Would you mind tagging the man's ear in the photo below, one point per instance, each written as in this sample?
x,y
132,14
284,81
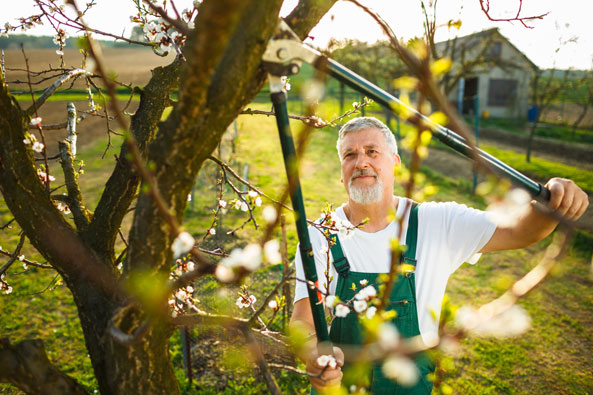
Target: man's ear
x,y
398,160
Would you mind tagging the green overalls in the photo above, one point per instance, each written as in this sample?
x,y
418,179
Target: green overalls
x,y
347,330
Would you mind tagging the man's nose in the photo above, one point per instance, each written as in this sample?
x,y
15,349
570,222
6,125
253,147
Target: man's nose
x,y
362,161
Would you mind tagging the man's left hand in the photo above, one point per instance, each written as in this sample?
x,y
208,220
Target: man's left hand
x,y
566,198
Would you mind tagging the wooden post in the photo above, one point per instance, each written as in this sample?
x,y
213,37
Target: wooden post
x,y
71,128
286,287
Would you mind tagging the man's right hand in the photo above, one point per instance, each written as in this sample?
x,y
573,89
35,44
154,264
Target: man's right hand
x,y
331,377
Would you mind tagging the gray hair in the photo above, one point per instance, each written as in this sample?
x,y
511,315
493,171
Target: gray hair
x,y
362,123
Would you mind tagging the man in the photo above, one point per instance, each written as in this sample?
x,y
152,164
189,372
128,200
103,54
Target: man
x,y
442,236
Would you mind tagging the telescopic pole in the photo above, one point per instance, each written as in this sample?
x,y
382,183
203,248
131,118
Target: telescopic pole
x,y
278,96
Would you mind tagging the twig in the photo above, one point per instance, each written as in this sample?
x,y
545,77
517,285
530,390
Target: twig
x,y
14,255
181,27
35,108
269,297
485,6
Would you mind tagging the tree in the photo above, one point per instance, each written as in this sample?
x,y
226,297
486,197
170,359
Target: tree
x,y
218,74
544,91
583,87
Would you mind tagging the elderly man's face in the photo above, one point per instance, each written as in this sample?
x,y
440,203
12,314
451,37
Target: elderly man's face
x,y
367,166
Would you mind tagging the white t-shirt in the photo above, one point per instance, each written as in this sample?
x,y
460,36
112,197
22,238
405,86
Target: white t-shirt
x,y
449,234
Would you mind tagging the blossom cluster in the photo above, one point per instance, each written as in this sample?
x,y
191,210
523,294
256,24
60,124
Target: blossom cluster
x,y
161,33
60,40
331,224
31,140
43,176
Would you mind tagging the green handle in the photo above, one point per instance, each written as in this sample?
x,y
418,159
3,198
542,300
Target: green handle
x,y
296,196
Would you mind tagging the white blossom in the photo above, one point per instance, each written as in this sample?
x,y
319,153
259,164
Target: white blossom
x,y
273,305
37,146
342,310
513,321
387,336
507,211
224,274
182,244
252,194
402,370
244,302
25,266
330,301
272,251
59,52
189,197
327,360
222,203
258,201
269,213
364,282
36,121
249,257
359,306
366,293
212,231
181,295
237,204
21,258
244,206
371,311
8,290
191,25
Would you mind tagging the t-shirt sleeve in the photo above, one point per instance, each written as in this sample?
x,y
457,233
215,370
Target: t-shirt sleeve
x,y
317,242
465,231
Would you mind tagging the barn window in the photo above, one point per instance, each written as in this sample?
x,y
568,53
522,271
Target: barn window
x,y
502,92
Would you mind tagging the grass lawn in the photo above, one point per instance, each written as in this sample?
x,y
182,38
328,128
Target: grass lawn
x,y
555,356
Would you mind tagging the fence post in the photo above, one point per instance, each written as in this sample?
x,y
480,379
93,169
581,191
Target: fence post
x,y
286,287
186,350
2,66
476,131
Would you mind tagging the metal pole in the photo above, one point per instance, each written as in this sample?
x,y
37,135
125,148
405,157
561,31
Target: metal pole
x,y
296,196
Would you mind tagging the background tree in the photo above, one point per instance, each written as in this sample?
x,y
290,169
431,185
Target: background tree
x,y
544,91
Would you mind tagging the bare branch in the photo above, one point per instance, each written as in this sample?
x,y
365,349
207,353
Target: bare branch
x,y
53,87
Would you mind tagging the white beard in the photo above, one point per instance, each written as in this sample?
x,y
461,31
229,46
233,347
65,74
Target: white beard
x,y
365,194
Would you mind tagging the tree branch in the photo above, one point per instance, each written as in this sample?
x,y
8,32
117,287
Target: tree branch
x,y
79,211
27,366
53,87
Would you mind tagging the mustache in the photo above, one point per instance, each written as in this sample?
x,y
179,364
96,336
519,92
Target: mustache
x,y
362,172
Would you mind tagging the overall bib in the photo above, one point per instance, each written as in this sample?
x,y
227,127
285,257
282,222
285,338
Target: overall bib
x,y
347,330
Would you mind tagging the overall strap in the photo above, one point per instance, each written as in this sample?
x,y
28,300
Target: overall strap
x,y
409,255
340,262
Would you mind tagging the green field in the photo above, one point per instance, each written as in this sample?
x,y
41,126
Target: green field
x,y
555,356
